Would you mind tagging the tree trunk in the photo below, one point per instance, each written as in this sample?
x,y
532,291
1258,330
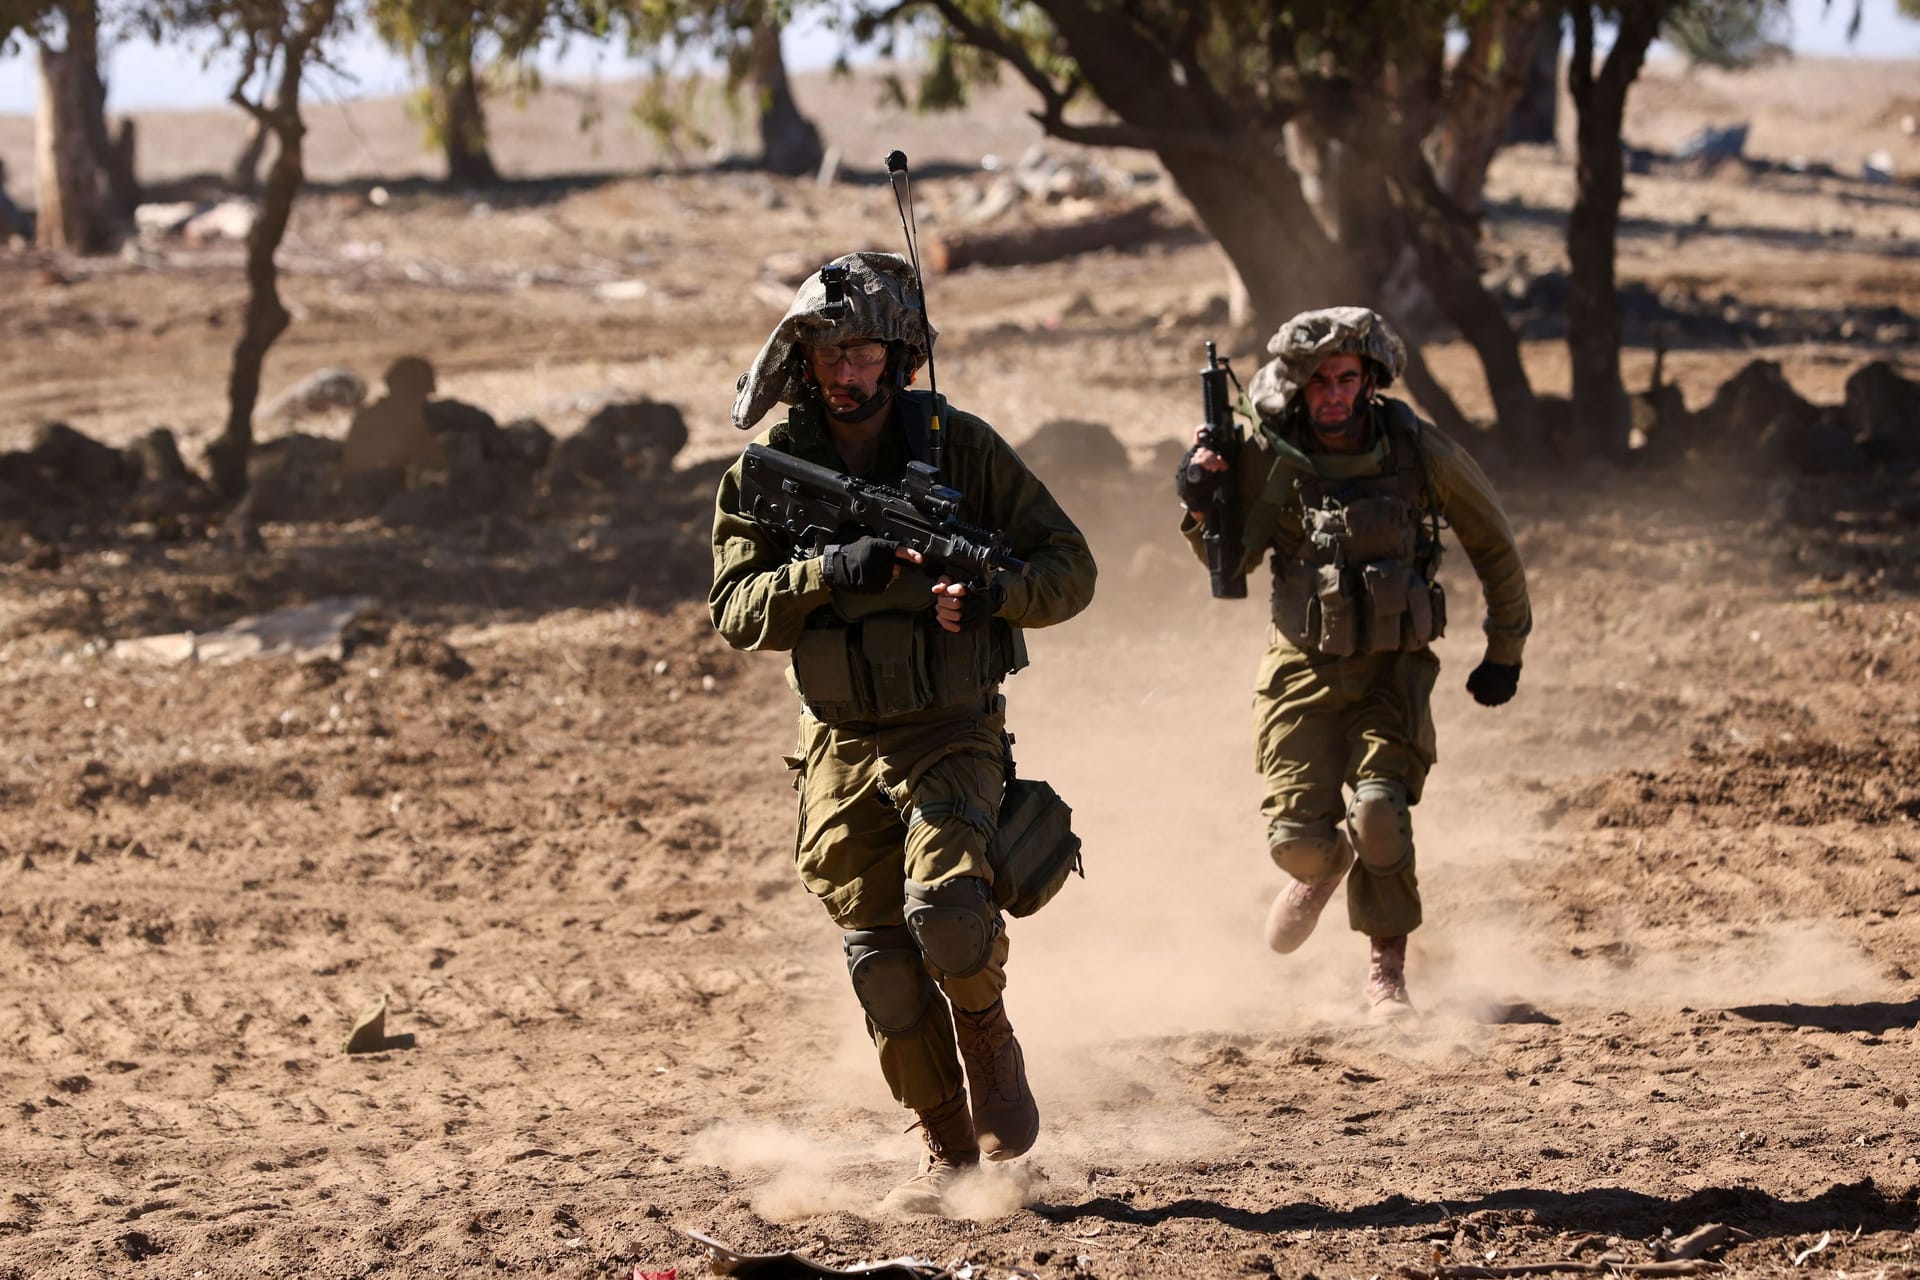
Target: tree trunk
x,y
75,199
245,173
1256,211
459,116
266,316
1489,78
1600,412
1536,116
789,143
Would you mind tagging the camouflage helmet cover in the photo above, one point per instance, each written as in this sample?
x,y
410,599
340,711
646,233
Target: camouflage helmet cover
x,y
1302,343
882,302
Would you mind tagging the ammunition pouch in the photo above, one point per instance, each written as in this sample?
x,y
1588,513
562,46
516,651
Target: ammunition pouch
x,y
896,663
1033,847
1387,606
1363,578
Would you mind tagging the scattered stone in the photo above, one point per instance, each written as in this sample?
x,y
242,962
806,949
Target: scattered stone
x,y
327,391
158,221
526,443
167,486
412,647
1883,412
78,462
1756,402
421,509
1068,452
292,478
306,632
473,447
637,437
622,290
228,220
1715,143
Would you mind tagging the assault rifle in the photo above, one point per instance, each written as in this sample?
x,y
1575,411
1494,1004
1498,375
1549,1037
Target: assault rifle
x,y
814,504
1220,433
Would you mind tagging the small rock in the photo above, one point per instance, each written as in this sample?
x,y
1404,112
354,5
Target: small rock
x,y
327,391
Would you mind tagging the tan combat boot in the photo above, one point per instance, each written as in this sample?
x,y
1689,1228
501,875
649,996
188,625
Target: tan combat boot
x,y
1387,979
1004,1113
1296,908
951,1148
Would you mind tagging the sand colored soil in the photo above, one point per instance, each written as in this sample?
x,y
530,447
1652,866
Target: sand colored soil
x,y
1668,976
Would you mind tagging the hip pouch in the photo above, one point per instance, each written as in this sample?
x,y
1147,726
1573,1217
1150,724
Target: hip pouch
x,y
1033,848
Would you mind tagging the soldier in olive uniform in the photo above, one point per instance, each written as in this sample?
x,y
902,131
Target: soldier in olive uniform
x,y
902,759
1349,490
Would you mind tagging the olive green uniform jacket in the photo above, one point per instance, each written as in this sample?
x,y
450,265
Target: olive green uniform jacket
x,y
917,794
1320,722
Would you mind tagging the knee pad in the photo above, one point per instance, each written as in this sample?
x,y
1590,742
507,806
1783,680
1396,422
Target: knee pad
x,y
1381,826
889,980
1311,855
955,924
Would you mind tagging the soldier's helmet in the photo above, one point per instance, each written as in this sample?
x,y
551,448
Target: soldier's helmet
x,y
1302,343
878,300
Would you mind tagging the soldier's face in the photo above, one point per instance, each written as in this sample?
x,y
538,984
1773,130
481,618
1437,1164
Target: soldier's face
x,y
1334,394
849,375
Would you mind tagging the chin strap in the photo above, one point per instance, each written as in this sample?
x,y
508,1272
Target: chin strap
x,y
863,412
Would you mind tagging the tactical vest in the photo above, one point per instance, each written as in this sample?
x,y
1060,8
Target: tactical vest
x,y
867,658
1362,580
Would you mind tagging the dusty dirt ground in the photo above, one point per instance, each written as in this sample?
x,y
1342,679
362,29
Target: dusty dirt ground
x,y
1669,974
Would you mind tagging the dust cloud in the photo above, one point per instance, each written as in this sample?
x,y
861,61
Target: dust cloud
x,y
808,1173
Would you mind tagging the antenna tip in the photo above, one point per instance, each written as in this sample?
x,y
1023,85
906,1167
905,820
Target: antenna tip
x,y
896,162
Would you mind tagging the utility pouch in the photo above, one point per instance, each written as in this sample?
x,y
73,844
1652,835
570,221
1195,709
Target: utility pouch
x,y
1296,614
1033,847
1339,622
1377,527
1438,597
1384,589
959,664
1419,625
896,661
823,671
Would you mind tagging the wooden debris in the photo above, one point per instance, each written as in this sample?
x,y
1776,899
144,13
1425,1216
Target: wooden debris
x,y
1128,225
1697,1243
1605,1264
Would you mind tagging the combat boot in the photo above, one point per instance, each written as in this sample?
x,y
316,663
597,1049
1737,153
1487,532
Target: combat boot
x,y
951,1149
1296,908
1004,1113
1387,979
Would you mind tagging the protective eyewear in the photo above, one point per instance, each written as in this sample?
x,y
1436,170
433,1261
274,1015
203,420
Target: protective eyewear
x,y
866,355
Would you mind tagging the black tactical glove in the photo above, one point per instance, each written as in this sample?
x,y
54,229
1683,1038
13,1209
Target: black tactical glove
x,y
1195,484
863,566
1493,683
978,606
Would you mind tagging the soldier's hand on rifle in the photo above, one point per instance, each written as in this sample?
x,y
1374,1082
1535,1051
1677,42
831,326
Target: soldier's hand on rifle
x,y
959,607
1200,475
1493,683
865,565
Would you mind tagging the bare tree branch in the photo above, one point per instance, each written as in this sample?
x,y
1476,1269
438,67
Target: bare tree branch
x,y
1001,46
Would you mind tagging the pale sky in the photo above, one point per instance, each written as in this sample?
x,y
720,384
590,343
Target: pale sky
x,y
139,75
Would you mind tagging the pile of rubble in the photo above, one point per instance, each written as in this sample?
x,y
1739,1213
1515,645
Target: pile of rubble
x,y
408,459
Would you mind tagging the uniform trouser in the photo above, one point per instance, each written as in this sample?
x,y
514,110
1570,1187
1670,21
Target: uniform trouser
x,y
1321,722
859,787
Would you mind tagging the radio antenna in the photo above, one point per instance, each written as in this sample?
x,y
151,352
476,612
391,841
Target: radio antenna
x,y
902,181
